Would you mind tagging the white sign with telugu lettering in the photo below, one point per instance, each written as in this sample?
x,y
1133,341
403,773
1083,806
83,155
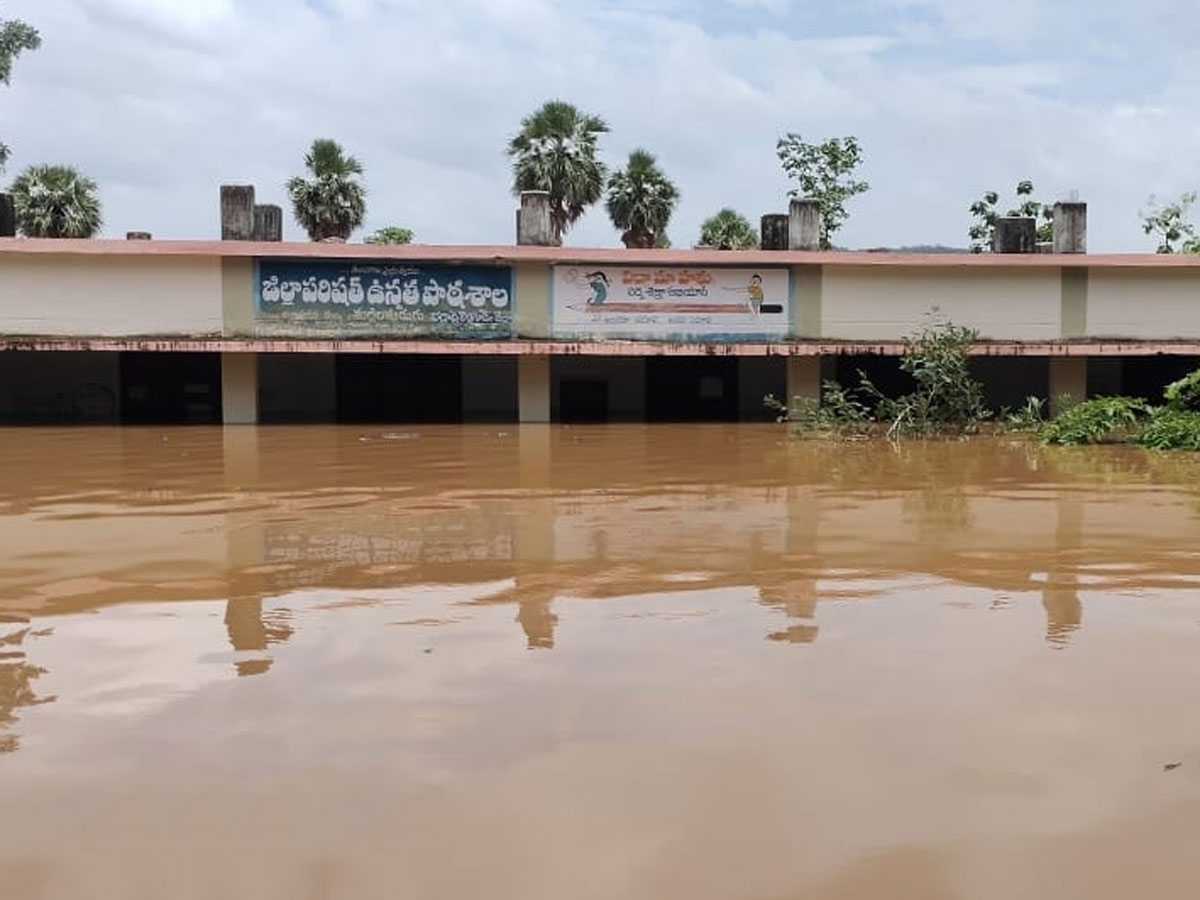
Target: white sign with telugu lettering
x,y
669,303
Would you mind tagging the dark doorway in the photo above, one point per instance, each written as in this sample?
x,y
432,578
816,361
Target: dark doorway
x,y
170,388
583,400
883,371
387,388
1146,376
692,389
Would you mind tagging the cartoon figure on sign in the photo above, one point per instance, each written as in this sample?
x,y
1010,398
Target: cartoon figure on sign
x,y
755,294
598,282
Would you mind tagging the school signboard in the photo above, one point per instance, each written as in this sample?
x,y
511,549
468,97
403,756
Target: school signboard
x,y
382,299
667,303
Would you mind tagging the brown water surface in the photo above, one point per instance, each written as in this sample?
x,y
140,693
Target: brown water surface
x,y
611,662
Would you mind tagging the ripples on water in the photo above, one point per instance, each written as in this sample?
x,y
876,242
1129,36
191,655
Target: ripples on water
x,y
613,661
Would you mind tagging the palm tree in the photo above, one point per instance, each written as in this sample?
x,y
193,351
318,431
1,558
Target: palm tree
x,y
331,204
555,151
56,202
728,230
640,201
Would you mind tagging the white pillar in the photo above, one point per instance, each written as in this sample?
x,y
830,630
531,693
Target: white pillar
x,y
804,224
239,388
533,388
534,226
1070,227
1068,378
803,378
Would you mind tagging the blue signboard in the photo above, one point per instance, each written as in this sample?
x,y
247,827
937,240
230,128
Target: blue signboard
x,y
344,298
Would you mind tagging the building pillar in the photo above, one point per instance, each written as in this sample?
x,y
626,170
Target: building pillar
x,y
534,227
1068,382
1070,227
533,388
239,388
804,224
803,378
774,231
237,212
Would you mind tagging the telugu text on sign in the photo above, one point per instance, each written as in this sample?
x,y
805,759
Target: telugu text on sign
x,y
642,302
383,299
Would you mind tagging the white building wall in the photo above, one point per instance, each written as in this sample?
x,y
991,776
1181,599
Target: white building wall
x,y
1129,303
886,303
109,296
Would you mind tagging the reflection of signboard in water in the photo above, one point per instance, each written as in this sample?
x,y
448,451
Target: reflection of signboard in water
x,y
364,298
669,303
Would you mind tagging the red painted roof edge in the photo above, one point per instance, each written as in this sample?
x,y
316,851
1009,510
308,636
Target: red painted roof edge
x,y
481,253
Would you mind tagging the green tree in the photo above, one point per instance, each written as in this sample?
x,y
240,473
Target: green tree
x,y
56,202
986,213
825,173
1170,222
728,230
555,151
333,202
15,37
392,234
641,200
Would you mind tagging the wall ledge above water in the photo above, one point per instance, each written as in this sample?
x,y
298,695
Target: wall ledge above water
x,y
200,344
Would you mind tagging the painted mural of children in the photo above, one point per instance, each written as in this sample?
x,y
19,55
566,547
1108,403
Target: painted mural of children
x,y
598,282
755,294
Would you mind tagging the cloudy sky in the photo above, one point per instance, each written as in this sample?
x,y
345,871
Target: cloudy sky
x,y
162,100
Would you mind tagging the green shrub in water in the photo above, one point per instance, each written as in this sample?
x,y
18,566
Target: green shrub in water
x,y
1184,393
1101,420
1167,428
1030,417
836,414
947,397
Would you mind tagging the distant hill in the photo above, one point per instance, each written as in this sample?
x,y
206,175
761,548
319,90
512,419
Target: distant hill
x,y
919,248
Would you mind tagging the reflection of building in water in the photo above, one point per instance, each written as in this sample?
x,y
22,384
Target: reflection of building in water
x,y
16,686
537,619
798,600
795,593
252,631
1060,597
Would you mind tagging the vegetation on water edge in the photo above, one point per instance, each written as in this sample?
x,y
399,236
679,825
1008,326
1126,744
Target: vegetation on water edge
x,y
947,399
1173,425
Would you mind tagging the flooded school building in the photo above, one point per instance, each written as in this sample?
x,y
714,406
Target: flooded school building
x,y
250,329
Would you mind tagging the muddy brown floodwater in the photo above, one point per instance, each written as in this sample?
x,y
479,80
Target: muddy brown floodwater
x,y
611,662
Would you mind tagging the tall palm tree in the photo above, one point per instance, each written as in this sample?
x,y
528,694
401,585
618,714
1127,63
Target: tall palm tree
x,y
640,201
728,230
331,204
56,202
555,151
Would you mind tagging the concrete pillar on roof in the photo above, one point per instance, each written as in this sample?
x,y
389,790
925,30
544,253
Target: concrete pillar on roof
x,y
804,225
774,231
268,222
1015,234
8,216
533,220
1070,227
237,212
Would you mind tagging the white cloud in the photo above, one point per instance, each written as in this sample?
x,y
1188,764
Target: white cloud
x,y
162,100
